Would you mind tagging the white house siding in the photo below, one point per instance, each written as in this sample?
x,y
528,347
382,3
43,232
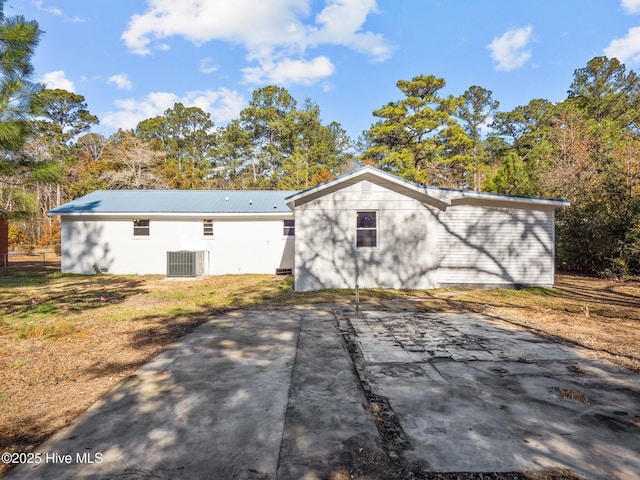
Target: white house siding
x,y
326,255
496,246
246,245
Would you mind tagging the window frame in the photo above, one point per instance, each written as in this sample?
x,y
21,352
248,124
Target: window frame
x,y
141,230
207,228
367,229
289,230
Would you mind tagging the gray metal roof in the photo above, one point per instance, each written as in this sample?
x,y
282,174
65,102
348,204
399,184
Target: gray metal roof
x,y
178,201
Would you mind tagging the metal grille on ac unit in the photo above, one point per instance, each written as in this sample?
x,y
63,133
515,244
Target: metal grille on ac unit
x,y
185,263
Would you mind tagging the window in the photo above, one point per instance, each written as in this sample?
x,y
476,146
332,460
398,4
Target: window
x,y
141,228
366,229
207,228
289,228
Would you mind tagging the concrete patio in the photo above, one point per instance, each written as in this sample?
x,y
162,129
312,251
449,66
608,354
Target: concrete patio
x,y
323,392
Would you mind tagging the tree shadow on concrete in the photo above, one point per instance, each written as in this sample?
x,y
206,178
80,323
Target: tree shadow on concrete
x,y
526,405
210,406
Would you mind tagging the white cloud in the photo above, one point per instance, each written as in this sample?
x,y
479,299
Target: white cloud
x,y
58,79
275,33
52,10
207,66
627,48
510,50
241,21
287,71
121,81
631,6
222,104
340,22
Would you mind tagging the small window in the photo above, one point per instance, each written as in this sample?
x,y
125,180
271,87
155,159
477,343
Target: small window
x,y
289,228
207,228
141,228
366,229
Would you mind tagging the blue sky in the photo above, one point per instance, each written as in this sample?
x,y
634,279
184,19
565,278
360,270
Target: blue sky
x,y
133,59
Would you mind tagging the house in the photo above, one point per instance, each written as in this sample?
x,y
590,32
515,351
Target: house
x,y
131,231
367,228
374,229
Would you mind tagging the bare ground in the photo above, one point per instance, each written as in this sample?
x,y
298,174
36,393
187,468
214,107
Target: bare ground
x,y
67,340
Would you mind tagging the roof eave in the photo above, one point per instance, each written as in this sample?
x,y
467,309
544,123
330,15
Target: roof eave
x,y
530,201
131,214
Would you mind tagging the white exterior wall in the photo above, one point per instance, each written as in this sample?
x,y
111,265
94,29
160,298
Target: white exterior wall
x,y
326,255
238,245
496,246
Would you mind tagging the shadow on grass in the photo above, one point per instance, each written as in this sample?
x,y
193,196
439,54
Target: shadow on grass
x,y
41,294
582,289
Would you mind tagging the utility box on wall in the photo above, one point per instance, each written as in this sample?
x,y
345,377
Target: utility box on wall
x,y
186,263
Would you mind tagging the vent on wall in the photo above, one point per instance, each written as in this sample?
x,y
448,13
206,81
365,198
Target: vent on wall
x,y
366,187
185,263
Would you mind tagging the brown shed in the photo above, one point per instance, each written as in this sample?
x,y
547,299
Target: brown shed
x,y
4,237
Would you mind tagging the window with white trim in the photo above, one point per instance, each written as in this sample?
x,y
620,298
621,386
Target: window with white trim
x,y
140,228
366,229
207,228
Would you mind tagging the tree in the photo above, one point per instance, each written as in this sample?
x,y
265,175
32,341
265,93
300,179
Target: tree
x,y
605,91
188,137
60,116
89,160
319,151
135,162
417,137
18,41
475,111
527,129
511,178
265,120
63,114
601,177
233,155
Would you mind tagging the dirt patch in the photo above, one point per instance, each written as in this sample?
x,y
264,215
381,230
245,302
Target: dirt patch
x,y
26,263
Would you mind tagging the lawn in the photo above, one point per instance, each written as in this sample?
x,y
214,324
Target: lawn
x,y
65,340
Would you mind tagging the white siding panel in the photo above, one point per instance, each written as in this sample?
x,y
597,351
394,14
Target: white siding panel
x,y
326,252
480,245
237,246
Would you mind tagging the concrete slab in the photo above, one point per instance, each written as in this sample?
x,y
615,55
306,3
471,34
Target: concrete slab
x,y
275,393
212,406
329,429
497,398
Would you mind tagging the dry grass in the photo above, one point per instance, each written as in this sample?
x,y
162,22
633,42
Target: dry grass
x,y
66,340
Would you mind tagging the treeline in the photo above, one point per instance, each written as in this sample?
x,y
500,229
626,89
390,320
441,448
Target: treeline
x,y
585,149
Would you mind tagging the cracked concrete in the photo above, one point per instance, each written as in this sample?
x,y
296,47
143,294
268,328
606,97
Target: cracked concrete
x,y
279,393
477,394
